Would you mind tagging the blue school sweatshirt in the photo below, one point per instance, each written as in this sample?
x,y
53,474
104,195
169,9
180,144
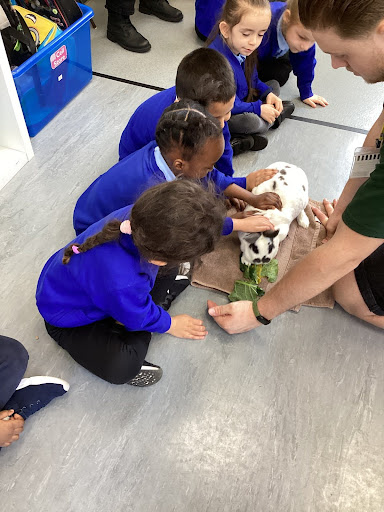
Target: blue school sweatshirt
x,y
207,14
141,129
127,180
303,63
241,83
110,280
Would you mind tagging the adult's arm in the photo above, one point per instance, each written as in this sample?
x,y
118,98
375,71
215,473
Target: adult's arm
x,y
316,272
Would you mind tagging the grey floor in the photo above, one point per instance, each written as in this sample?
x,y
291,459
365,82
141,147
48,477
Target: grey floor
x,y
288,418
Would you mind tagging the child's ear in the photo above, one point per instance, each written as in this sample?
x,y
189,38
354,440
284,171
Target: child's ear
x,y
178,165
287,17
224,29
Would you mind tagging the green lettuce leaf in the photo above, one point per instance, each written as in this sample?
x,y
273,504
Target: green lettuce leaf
x,y
270,270
245,290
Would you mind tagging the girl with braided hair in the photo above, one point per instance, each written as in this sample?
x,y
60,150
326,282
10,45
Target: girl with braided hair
x,y
95,294
189,141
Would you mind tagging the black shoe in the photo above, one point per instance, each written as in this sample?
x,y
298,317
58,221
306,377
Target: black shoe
x,y
288,109
148,375
259,142
121,31
177,287
161,9
241,144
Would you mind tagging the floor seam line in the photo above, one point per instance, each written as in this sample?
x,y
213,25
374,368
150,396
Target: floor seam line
x,y
293,117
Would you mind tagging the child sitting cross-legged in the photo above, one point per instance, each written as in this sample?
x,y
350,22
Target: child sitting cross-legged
x,y
189,141
95,293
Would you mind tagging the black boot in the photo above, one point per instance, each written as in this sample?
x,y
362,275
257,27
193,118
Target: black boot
x,y
241,143
121,31
259,142
161,9
288,108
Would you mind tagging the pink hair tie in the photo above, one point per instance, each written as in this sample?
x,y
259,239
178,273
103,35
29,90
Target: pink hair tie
x,y
75,249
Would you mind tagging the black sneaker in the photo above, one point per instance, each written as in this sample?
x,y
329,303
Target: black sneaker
x,y
121,31
259,142
241,144
288,109
147,376
161,9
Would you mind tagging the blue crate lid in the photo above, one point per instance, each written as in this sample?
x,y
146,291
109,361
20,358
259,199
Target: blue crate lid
x,y
56,43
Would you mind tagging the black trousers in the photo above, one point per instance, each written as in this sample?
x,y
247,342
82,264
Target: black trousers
x,y
275,69
124,7
13,363
106,348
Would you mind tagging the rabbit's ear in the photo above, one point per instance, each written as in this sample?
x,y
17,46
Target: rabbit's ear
x,y
251,237
271,233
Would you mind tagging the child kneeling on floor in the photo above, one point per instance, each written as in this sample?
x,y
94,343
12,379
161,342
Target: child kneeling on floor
x,y
257,107
189,140
94,294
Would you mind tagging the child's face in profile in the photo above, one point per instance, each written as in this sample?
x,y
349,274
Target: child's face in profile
x,y
299,38
204,161
221,111
246,36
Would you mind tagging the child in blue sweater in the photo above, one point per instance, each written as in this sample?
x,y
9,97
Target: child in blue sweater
x,y
189,141
95,294
203,76
257,108
288,45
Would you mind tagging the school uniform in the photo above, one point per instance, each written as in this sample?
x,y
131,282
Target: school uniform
x,y
128,179
141,129
273,54
13,363
81,301
207,13
245,123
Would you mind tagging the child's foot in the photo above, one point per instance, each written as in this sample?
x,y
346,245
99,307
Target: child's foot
x,y
148,375
180,283
34,393
259,142
241,144
288,109
161,9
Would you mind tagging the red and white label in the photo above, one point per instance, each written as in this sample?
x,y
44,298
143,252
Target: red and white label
x,y
58,57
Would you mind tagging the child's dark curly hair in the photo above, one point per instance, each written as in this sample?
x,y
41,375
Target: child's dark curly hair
x,y
187,125
172,222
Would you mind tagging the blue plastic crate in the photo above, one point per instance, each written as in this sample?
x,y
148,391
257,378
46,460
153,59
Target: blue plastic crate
x,y
48,80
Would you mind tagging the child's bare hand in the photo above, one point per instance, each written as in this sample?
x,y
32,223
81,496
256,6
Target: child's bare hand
x,y
11,429
185,326
253,223
255,178
275,101
269,113
316,100
233,202
266,201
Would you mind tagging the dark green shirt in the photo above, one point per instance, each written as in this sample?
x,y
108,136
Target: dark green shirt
x,y
365,213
